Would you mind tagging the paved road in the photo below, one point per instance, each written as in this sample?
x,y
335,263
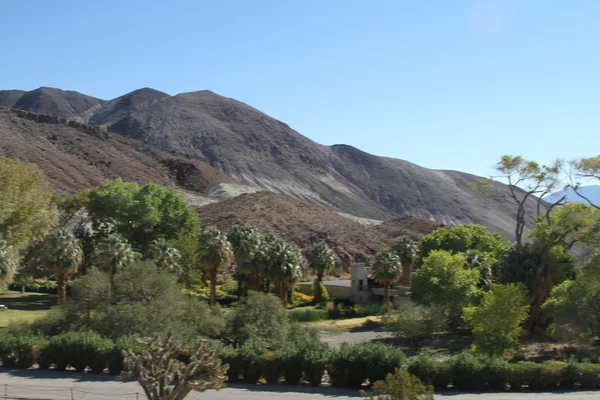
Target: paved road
x,y
48,385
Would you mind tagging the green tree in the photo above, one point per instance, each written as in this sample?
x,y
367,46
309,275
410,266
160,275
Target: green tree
x,y
464,238
259,317
63,256
27,210
114,253
480,263
214,254
555,235
586,168
496,322
407,250
250,249
284,268
443,280
320,260
8,262
386,270
415,322
165,256
527,181
574,305
141,214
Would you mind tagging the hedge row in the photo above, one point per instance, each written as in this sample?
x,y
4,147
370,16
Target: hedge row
x,y
75,349
467,372
349,366
307,359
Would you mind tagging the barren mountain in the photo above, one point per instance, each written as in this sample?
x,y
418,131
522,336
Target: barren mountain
x,y
258,150
75,156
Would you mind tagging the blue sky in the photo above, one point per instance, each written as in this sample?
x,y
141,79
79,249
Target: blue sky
x,y
444,84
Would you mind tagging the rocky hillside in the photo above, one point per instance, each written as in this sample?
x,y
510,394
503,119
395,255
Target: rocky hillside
x,y
304,224
75,156
260,151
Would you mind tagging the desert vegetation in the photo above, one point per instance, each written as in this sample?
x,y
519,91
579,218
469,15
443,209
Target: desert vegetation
x,y
130,262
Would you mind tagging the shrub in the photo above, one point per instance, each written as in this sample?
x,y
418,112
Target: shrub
x,y
400,385
466,370
536,376
304,357
443,280
250,355
319,289
230,356
307,315
78,349
343,310
271,367
430,371
495,374
260,317
300,298
115,363
21,350
352,365
590,376
496,323
416,323
35,285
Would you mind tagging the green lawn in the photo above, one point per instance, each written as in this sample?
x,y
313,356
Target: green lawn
x,y
24,307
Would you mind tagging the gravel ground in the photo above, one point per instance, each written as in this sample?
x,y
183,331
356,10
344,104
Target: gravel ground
x,y
47,385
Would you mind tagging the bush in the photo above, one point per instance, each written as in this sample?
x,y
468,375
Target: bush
x,y
416,323
230,356
307,315
271,367
21,350
467,371
444,281
35,285
537,377
300,298
319,288
250,355
496,323
590,376
260,317
352,365
343,310
430,371
305,357
115,358
401,385
78,349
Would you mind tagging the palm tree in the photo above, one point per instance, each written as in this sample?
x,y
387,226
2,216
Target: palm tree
x,y
406,249
112,254
214,254
480,263
320,260
285,268
64,256
8,261
165,256
386,269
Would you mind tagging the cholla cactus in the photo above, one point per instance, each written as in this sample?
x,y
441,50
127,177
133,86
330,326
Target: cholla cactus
x,y
164,377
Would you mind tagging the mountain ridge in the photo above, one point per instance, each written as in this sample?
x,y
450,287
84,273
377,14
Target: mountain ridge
x,y
263,152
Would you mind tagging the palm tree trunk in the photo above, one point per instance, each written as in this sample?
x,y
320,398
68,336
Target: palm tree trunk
x,y
318,293
406,273
267,286
284,294
61,288
386,295
213,287
254,281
